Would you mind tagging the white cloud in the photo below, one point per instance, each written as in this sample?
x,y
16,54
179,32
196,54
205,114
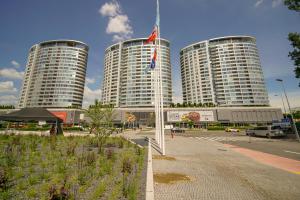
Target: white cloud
x,y
293,97
8,100
7,87
258,3
118,22
90,80
110,9
15,64
11,73
90,96
276,3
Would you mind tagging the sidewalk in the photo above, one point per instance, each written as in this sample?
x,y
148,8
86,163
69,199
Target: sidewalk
x,y
218,172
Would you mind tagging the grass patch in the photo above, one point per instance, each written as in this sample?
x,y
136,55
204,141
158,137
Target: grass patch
x,y
170,178
159,157
33,167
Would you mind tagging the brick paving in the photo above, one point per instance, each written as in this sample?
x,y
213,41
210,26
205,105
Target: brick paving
x,y
218,172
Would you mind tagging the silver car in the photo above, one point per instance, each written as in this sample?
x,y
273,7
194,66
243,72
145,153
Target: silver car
x,y
266,131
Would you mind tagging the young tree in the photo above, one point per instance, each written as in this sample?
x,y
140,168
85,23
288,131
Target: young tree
x,y
101,122
294,38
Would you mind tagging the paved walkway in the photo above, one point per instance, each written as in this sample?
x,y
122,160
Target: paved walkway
x,y
219,172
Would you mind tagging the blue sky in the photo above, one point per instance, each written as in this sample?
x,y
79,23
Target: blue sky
x,y
25,23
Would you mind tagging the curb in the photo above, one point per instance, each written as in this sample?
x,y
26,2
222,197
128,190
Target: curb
x,y
149,183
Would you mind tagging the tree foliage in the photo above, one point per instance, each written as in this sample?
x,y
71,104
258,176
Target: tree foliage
x,y
294,38
101,124
295,54
293,4
7,107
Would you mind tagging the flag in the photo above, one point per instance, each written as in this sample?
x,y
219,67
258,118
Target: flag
x,y
152,64
153,36
153,60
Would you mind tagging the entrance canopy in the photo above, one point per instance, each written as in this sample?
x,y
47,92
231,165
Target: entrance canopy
x,y
29,115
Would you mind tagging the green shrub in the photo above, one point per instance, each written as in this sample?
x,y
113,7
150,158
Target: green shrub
x,y
4,195
3,178
33,144
31,193
91,158
109,154
127,165
16,140
52,141
61,166
105,167
100,189
55,194
72,129
71,148
82,177
9,157
92,142
32,180
121,143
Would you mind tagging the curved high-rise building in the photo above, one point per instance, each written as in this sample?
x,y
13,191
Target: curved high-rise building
x,y
55,75
125,83
224,71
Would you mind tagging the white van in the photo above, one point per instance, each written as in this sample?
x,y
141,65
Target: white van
x,y
267,131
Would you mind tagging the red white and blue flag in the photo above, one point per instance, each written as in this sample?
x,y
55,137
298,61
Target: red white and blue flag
x,y
153,36
153,60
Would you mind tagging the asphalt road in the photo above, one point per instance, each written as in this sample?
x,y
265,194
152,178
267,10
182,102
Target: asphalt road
x,y
279,147
287,147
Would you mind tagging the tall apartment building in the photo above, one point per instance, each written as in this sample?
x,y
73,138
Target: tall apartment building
x,y
55,75
125,82
225,71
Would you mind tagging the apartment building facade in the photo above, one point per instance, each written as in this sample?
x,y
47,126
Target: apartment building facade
x,y
224,71
126,81
55,75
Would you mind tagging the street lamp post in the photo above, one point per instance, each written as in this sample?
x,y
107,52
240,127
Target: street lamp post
x,y
276,95
288,103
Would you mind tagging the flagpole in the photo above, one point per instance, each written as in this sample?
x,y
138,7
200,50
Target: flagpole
x,y
161,102
156,102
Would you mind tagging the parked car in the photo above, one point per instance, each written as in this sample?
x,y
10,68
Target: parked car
x,y
177,130
232,130
266,131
